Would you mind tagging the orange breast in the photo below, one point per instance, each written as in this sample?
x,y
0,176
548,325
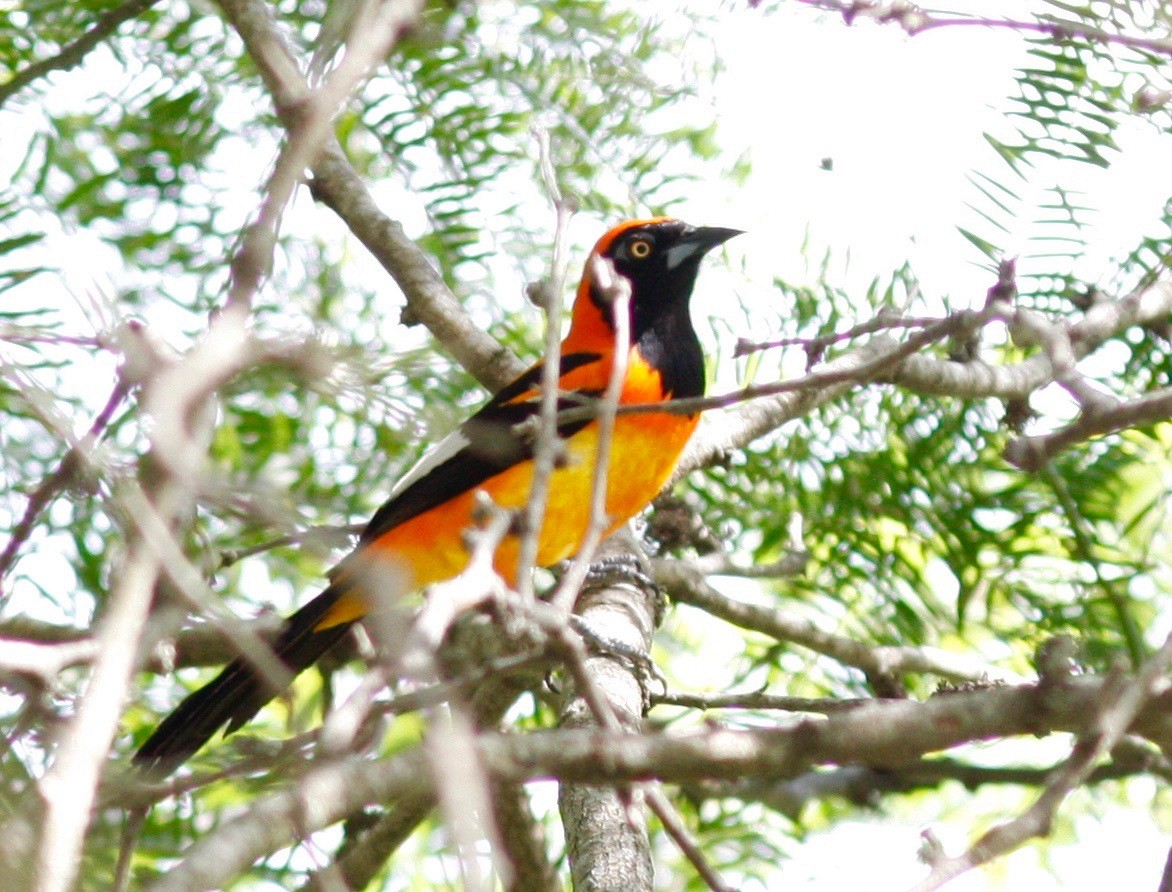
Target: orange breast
x,y
643,454
430,548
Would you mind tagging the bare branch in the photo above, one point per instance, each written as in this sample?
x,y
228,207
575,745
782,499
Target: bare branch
x,y
336,183
755,700
617,291
377,27
59,479
658,802
719,563
524,841
548,449
723,432
1032,453
176,398
914,20
73,52
688,586
814,347
863,785
866,367
1114,710
198,646
884,733
972,380
43,662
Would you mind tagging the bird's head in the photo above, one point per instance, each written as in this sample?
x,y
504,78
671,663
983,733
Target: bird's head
x,y
659,258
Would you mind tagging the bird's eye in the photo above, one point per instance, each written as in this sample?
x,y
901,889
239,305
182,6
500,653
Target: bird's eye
x,y
640,248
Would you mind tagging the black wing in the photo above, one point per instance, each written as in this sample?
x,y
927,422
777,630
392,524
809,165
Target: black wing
x,y
483,446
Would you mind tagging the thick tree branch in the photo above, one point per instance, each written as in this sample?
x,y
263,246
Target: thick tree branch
x,y
864,785
886,733
337,184
606,833
1032,453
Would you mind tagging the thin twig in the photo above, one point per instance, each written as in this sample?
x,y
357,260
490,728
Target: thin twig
x,y
915,20
74,51
29,334
408,646
688,586
617,290
860,373
60,478
548,448
669,816
756,700
719,563
815,346
326,532
153,529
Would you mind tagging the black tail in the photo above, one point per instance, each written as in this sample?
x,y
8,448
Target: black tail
x,y
238,693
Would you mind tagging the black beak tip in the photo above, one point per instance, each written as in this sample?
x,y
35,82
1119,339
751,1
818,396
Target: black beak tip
x,y
696,241
711,236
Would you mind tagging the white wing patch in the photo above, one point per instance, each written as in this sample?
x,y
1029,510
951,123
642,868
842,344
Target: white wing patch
x,y
445,449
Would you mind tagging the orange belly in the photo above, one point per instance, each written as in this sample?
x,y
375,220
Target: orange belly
x,y
430,547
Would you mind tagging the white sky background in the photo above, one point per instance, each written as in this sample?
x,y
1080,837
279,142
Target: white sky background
x,y
901,118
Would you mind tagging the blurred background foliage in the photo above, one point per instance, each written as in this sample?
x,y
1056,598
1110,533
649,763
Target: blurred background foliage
x,y
139,166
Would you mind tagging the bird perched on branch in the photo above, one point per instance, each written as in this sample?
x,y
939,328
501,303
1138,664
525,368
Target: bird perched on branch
x,y
416,538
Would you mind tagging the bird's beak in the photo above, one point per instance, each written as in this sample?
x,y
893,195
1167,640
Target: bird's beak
x,y
696,241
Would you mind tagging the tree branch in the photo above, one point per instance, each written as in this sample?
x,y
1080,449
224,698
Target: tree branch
x,y
722,432
338,185
914,20
864,785
687,585
73,52
885,733
1032,453
58,480
1111,714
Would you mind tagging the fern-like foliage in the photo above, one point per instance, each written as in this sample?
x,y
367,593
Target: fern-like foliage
x,y
1074,97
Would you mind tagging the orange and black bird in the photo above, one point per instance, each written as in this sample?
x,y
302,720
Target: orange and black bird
x,y
417,535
